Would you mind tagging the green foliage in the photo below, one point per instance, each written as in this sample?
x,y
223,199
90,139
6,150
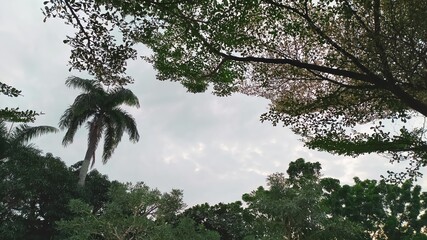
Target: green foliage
x,y
386,211
14,114
39,199
9,90
34,193
14,139
327,66
134,212
231,220
306,206
293,208
101,109
290,208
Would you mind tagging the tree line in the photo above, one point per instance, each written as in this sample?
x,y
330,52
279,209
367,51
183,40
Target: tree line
x,y
41,199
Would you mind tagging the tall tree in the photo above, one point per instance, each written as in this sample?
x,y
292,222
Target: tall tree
x,y
105,117
327,66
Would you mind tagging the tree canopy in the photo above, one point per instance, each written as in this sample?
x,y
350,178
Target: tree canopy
x,y
305,205
327,66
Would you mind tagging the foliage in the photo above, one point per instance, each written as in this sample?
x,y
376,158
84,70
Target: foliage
x,y
39,199
293,208
305,205
30,203
327,66
231,220
386,211
134,212
14,114
12,140
102,108
34,193
290,208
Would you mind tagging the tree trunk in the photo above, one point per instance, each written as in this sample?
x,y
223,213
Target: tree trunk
x,y
94,136
85,166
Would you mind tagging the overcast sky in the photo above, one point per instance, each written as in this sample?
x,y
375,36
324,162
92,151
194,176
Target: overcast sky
x,y
213,148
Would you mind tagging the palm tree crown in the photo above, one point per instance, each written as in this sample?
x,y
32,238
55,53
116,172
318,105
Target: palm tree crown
x,y
14,139
101,110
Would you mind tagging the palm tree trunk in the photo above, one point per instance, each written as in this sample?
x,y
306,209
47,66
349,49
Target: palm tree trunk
x,y
94,136
85,166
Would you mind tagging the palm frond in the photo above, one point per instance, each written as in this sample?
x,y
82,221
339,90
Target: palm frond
x,y
23,133
26,150
88,101
84,84
111,140
66,118
131,128
120,95
69,134
72,123
127,123
3,128
84,105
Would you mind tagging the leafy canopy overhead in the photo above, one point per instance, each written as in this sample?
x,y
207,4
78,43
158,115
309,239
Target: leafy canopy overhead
x,y
327,66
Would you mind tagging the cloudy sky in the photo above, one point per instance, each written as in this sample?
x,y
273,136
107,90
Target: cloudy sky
x,y
213,148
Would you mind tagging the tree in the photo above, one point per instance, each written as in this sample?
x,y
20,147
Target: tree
x,y
305,205
106,117
386,211
327,66
134,212
293,208
232,221
34,193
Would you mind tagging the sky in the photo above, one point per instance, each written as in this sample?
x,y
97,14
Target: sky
x,y
213,148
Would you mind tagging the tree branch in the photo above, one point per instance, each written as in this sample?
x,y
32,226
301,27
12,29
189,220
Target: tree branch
x,y
299,64
329,40
82,29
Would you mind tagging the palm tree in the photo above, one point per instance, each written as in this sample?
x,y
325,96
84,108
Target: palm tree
x,y
101,109
14,139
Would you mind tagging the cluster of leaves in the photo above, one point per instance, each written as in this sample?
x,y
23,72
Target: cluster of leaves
x,y
14,114
94,48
